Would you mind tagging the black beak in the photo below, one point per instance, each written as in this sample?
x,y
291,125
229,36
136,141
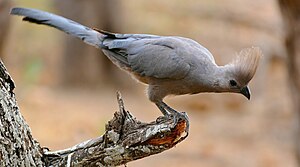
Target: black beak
x,y
246,92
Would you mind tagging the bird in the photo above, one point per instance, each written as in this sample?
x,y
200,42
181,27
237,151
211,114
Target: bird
x,y
169,65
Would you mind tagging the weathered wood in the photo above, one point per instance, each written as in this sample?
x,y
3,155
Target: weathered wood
x,y
17,146
126,139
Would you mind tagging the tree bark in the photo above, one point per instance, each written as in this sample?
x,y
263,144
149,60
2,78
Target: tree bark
x,y
290,10
125,138
18,148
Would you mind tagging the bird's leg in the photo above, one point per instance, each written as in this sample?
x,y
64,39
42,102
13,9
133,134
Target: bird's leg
x,y
166,107
162,109
168,111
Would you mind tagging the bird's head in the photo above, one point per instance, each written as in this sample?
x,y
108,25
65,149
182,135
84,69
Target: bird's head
x,y
240,71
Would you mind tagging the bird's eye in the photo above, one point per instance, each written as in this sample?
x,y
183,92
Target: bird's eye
x,y
233,83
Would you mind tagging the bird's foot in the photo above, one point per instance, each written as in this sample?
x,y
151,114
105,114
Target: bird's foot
x,y
177,116
181,116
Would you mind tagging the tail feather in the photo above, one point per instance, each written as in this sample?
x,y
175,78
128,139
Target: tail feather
x,y
73,28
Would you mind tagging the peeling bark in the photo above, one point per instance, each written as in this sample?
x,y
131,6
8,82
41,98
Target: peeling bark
x,y
125,139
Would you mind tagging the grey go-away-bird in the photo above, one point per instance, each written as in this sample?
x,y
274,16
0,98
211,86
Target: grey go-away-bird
x,y
170,65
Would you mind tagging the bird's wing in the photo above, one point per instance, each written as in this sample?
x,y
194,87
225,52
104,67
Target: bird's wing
x,y
86,34
148,55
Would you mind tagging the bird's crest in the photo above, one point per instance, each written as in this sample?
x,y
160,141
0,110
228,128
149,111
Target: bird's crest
x,y
245,64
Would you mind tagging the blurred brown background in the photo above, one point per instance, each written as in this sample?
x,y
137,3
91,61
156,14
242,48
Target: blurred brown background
x,y
66,89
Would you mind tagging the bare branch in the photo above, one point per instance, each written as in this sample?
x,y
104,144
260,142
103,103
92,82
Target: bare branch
x,y
125,139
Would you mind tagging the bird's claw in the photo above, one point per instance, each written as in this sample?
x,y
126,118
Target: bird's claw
x,y
170,112
177,116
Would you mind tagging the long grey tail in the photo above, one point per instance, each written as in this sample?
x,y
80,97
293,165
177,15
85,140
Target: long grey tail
x,y
86,34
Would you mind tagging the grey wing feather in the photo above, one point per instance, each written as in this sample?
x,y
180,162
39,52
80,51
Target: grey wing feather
x,y
86,34
149,56
159,61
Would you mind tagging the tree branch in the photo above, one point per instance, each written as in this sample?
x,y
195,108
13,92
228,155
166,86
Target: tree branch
x,y
125,139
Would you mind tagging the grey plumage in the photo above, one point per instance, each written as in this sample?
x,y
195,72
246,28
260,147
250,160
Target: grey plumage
x,y
170,65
